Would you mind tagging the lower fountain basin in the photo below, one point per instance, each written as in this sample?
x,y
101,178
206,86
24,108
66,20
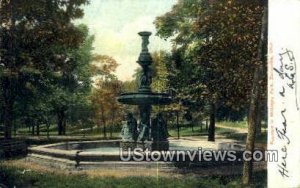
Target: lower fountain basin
x,y
107,154
150,98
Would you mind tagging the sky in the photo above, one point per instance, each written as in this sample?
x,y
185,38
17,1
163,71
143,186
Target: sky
x,y
115,24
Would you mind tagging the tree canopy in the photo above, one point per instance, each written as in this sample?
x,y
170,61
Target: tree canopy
x,y
37,44
215,46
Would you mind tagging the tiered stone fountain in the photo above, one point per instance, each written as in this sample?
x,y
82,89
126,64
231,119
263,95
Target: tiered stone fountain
x,y
148,134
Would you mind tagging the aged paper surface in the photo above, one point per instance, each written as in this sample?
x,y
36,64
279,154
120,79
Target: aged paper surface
x,y
284,90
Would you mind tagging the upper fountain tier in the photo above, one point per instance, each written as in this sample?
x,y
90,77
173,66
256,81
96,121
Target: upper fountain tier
x,y
145,96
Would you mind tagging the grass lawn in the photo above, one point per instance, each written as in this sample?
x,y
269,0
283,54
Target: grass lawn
x,y
14,174
11,176
235,124
71,130
187,131
228,129
238,124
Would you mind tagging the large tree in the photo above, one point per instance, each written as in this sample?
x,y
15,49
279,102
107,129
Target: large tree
x,y
105,92
73,84
215,50
257,93
35,37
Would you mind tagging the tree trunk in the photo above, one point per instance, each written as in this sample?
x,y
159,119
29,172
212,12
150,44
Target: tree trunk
x,y
32,129
60,122
258,119
15,127
48,126
64,125
7,84
8,100
59,125
255,96
212,122
8,110
110,131
201,125
177,122
38,129
113,123
104,124
104,131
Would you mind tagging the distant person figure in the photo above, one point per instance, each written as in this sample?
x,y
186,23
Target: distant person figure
x,y
188,118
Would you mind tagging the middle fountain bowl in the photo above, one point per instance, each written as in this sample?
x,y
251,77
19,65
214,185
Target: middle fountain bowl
x,y
138,98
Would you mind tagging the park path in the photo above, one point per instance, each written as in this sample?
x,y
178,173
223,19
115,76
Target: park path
x,y
236,129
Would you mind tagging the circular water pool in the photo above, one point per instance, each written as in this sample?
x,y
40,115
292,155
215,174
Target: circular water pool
x,y
107,154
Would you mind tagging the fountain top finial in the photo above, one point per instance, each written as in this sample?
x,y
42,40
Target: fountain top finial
x,y
144,33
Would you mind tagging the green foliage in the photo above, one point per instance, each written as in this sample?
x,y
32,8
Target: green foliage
x,y
42,53
35,39
215,50
227,113
70,91
160,72
107,110
129,86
